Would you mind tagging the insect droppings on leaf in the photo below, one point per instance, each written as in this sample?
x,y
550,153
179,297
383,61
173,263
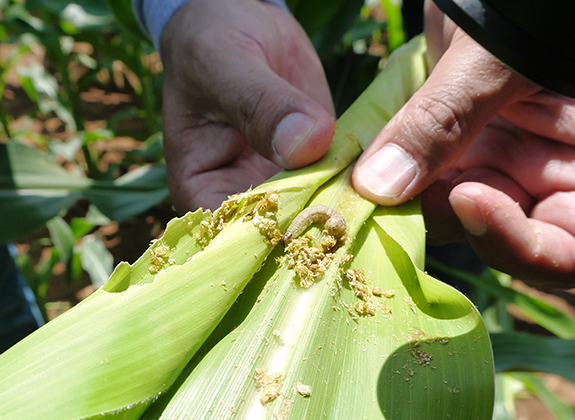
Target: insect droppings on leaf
x,y
234,206
269,383
364,308
303,390
309,262
356,280
278,335
158,256
420,356
388,294
263,216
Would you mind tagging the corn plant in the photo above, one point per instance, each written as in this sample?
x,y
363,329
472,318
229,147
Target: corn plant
x,y
348,329
58,24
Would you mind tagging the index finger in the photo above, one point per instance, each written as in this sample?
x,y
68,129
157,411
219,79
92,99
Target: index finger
x,y
538,250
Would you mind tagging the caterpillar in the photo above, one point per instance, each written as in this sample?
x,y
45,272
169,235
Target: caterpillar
x,y
333,222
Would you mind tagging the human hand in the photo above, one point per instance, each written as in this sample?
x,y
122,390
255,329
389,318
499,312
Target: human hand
x,y
242,83
493,154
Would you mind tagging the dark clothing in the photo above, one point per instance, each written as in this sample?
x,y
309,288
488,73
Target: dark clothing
x,y
19,315
533,37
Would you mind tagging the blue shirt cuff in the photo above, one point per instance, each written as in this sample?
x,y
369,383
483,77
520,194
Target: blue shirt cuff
x,y
154,14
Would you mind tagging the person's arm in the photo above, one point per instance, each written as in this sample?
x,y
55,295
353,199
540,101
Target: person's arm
x,y
493,154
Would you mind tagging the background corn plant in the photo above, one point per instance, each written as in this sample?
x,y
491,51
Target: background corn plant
x,y
90,44
81,93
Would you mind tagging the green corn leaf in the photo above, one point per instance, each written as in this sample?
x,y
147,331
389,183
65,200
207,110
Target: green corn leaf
x,y
42,88
34,189
308,336
96,259
85,16
513,385
314,15
394,18
62,237
525,352
124,15
130,194
23,212
331,32
31,190
537,310
506,389
81,227
182,289
92,7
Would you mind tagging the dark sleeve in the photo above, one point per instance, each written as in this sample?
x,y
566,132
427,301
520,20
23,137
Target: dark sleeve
x,y
535,38
412,11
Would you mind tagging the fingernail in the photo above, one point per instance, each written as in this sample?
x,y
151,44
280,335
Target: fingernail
x,y
388,172
469,213
290,133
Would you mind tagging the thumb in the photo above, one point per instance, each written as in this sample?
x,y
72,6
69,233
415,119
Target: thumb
x,y
279,121
466,89
276,118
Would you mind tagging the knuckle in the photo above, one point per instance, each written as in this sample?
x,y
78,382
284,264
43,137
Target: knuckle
x,y
441,116
257,111
438,122
250,105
